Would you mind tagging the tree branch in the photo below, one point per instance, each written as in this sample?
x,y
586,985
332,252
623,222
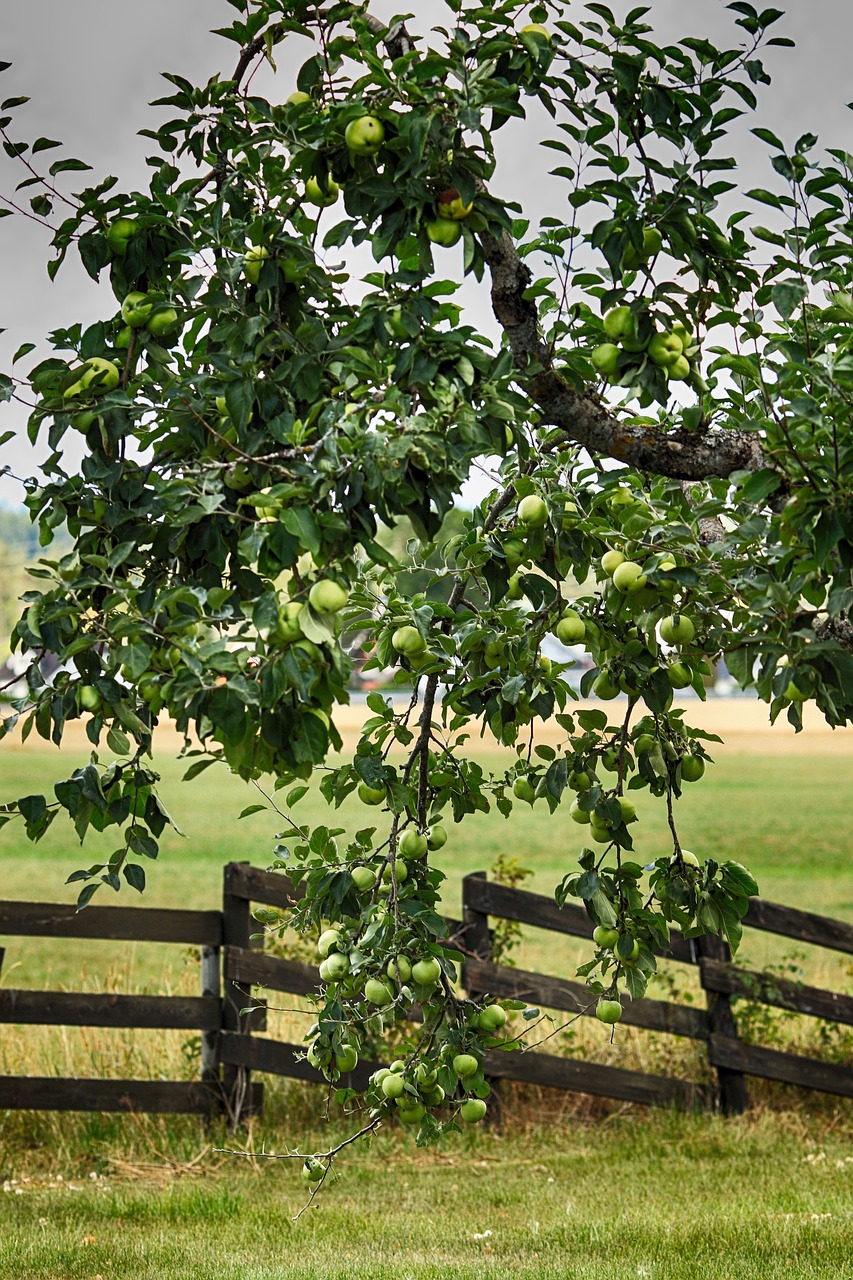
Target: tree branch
x,y
396,39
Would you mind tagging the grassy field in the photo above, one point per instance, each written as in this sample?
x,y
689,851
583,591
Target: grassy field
x,y
567,1187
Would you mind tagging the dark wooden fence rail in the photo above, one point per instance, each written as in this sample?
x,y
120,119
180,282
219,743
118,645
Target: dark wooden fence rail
x,y
230,1017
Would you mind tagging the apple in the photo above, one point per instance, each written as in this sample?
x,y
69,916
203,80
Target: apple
x,y
449,205
314,1170
136,309
680,675
364,878
365,135
413,844
533,511
412,1114
163,321
436,836
472,1110
523,789
604,688
629,809
346,1059
681,331
149,690
689,859
604,937
632,954
492,1018
664,349
628,577
605,357
692,768
679,370
288,627
619,323
609,1011
677,629
401,872
393,1086
579,780
119,235
399,970
337,966
324,195
611,561
515,551
408,641
426,972
327,942
253,260
536,30
545,664
327,596
298,98
88,697
795,692
645,742
465,1064
82,421
377,992
96,375
371,795
652,245
571,628
444,232
577,814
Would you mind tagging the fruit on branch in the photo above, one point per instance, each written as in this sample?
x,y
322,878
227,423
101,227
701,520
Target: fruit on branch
x,y
328,942
465,1064
633,952
689,859
371,795
523,789
411,1114
88,697
96,375
450,205
426,972
314,1170
608,1011
472,1110
393,1086
444,232
399,969
378,993
533,511
664,349
408,641
365,135
334,967
346,1059
298,98
515,551
604,937
677,629
254,258
579,815
605,357
364,878
400,872
120,233
679,370
413,844
436,837
163,322
538,32
692,768
571,628
652,245
611,560
604,688
327,596
136,309
628,577
620,323
680,675
492,1018
322,195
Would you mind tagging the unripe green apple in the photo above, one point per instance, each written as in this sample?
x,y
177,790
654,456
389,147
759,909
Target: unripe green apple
x,y
538,32
412,1114
632,954
689,859
608,1011
365,135
298,98
680,675
677,629
399,969
378,993
393,1086
604,937
492,1018
136,309
619,323
604,688
413,844
400,871
571,628
444,232
408,641
253,260
102,373
577,814
327,596
288,628
314,1170
795,692
426,972
679,370
436,837
123,338
82,421
337,966
364,878
163,322
514,590
628,577
324,195
120,233
88,697
664,349
449,205
346,1059
465,1064
328,942
533,511
579,780
371,795
522,789
692,768
611,560
472,1110
605,357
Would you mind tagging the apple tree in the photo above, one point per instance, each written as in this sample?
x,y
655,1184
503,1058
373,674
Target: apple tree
x,y
286,370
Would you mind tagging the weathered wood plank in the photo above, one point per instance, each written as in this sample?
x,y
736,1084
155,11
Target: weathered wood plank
x,y
275,1057
269,887
589,1077
768,989
248,968
789,1068
172,1097
574,997
790,922
67,1009
543,913
136,924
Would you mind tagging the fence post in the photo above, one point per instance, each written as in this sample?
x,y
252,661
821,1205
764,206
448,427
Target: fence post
x,y
236,932
211,989
733,1093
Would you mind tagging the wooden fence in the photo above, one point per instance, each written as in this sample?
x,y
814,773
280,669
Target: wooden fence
x,y
231,1019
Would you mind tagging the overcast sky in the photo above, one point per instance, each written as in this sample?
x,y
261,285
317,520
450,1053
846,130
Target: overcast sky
x,y
91,66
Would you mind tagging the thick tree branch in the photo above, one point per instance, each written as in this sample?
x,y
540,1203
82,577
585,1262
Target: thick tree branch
x,y
681,455
396,39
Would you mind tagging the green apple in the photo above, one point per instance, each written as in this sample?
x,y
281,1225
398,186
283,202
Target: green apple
x,y
645,742
88,697
399,970
465,1064
579,780
444,232
346,1059
611,560
677,629
328,942
393,1086
577,814
413,1114
314,1170
681,331
371,795
692,768
82,421
523,789
571,628
337,966
689,859
492,1018
450,205
136,310
253,260
628,577
436,836
378,993
514,589
96,375
472,1110
364,878
426,972
545,664
680,675
365,135
123,338
288,627
605,357
604,688
298,98
619,323
324,195
652,245
795,692
664,349
538,32
629,810
119,235
408,641
400,871
604,937
163,322
413,844
533,511
515,551
327,596
632,954
679,370
609,1011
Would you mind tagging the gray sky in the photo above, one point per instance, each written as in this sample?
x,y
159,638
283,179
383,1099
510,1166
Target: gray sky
x,y
91,66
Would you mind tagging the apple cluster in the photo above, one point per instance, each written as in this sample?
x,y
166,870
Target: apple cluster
x,y
633,339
